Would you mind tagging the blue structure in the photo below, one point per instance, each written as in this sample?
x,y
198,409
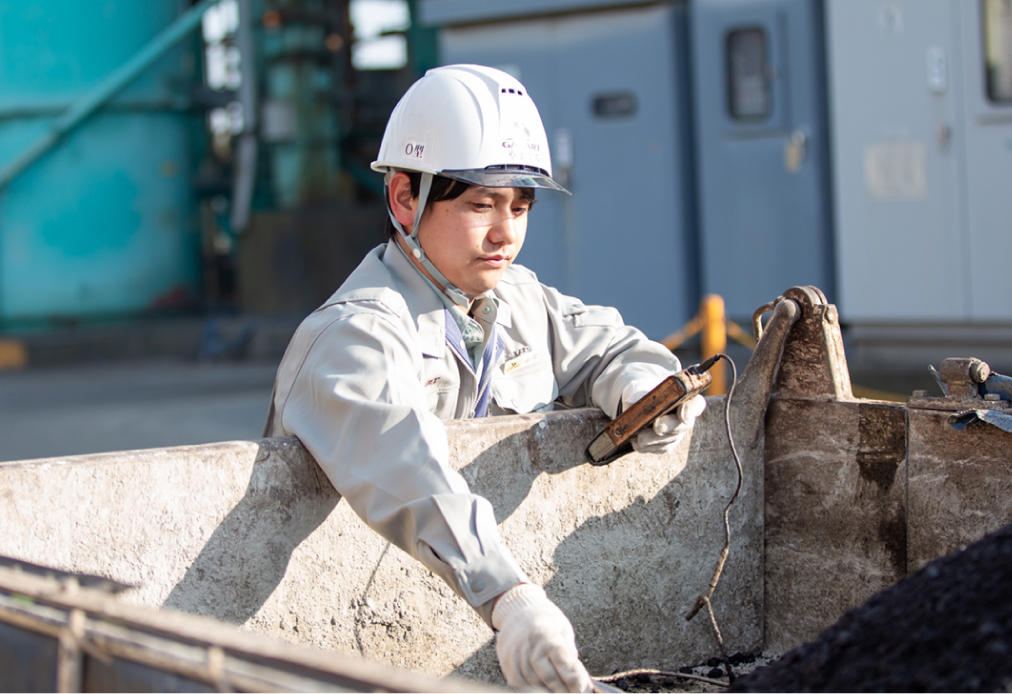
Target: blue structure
x,y
860,146
694,138
103,223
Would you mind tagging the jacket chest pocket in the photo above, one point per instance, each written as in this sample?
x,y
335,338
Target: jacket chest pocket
x,y
523,384
441,383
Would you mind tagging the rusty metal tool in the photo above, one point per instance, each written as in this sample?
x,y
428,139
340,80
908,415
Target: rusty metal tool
x,y
615,440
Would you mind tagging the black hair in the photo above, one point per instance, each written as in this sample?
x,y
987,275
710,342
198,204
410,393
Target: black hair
x,y
444,188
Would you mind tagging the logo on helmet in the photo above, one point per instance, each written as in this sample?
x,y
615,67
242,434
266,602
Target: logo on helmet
x,y
414,150
514,145
521,150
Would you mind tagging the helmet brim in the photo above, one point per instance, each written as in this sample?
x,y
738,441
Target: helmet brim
x,y
499,178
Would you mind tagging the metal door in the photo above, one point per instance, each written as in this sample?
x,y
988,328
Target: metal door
x,y
897,135
764,216
986,37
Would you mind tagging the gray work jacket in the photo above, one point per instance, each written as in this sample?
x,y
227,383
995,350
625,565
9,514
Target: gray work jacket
x,y
369,377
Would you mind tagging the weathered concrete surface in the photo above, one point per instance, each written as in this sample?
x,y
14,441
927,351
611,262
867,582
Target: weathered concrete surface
x,y
960,484
835,512
253,533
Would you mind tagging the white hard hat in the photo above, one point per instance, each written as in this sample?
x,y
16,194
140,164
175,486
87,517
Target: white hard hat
x,y
471,123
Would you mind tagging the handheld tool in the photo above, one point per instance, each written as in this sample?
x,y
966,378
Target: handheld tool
x,y
616,439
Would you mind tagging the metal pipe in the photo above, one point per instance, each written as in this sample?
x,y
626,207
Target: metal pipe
x,y
41,110
87,104
246,156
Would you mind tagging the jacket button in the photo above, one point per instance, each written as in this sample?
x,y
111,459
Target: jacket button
x,y
477,585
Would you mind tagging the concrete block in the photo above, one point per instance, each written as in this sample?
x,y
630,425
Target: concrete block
x,y
251,532
960,484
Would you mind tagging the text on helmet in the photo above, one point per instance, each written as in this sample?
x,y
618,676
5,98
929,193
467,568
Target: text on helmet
x,y
513,144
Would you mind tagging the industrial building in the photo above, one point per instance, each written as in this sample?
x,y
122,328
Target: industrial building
x,y
199,158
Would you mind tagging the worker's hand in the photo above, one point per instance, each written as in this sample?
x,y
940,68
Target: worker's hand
x,y
535,644
668,430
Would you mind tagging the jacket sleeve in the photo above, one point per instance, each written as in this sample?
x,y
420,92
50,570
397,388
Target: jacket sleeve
x,y
595,354
350,390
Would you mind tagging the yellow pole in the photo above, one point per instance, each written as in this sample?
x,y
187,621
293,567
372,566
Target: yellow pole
x,y
13,354
713,340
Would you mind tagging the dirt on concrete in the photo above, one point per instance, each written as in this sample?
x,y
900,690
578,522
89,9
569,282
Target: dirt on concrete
x,y
947,627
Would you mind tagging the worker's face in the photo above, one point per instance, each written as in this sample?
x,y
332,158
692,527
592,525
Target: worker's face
x,y
472,239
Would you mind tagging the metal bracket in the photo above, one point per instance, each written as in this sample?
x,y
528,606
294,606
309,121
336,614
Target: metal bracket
x,y
814,364
968,385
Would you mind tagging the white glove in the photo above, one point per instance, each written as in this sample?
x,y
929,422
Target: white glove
x,y
536,645
668,430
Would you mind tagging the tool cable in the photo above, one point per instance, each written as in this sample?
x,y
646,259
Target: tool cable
x,y
704,600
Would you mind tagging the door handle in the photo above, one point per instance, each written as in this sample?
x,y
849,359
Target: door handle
x,y
794,150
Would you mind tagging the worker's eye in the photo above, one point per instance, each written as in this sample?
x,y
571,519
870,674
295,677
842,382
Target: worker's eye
x,y
521,210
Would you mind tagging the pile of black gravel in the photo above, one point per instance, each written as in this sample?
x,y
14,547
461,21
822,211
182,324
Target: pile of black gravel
x,y
947,627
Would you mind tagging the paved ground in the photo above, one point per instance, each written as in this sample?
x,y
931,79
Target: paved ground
x,y
92,408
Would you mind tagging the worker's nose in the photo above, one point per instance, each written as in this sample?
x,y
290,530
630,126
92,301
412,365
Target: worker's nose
x,y
504,231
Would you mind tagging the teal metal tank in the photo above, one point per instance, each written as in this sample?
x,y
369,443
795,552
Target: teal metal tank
x,y
104,223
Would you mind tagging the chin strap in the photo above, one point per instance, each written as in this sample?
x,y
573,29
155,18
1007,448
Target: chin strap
x,y
456,295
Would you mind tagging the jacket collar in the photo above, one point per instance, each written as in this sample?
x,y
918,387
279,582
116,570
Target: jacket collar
x,y
420,296
424,302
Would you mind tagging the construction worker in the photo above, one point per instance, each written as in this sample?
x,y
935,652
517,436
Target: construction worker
x,y
438,324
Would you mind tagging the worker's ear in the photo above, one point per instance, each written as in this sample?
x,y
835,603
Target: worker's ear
x,y
401,201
